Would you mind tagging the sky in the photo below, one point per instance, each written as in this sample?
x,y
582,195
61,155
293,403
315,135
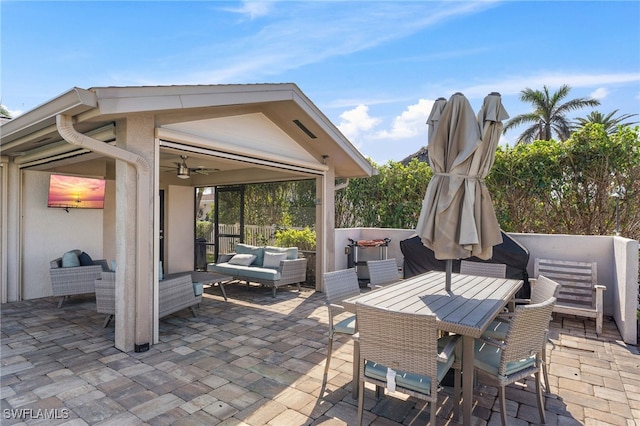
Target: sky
x,y
373,68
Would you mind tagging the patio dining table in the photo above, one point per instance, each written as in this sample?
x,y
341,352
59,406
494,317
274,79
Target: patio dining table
x,y
466,310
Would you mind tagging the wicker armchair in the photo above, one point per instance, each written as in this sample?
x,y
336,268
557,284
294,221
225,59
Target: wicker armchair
x,y
542,289
382,272
407,345
175,294
519,355
69,281
339,285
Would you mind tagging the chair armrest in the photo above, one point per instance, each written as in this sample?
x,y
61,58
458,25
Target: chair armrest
x,y
449,349
293,271
223,258
493,342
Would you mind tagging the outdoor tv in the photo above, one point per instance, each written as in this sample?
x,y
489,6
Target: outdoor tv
x,y
75,192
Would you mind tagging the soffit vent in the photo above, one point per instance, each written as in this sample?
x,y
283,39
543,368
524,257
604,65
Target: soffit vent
x,y
304,129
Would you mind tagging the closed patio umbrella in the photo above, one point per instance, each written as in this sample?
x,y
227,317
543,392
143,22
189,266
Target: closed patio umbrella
x,y
457,219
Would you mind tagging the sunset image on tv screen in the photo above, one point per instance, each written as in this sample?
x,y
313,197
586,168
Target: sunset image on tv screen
x,y
76,192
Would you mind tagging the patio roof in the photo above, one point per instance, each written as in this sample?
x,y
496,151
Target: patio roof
x,y
266,121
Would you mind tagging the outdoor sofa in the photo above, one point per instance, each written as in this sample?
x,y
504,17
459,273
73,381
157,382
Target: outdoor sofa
x,y
75,273
175,294
270,266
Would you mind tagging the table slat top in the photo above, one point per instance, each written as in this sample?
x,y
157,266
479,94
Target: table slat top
x,y
467,309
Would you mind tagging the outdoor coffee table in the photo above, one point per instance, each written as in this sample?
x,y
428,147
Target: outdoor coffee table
x,y
207,279
210,279
467,309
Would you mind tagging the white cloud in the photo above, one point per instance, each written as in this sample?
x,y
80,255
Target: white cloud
x,y
599,93
357,121
252,9
410,123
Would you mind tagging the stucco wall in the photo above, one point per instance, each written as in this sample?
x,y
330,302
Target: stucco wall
x,y
179,228
50,232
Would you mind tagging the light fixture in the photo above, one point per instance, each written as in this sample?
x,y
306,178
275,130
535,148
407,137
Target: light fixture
x,y
183,169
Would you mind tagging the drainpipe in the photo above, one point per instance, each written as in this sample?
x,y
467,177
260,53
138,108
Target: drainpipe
x,y
64,123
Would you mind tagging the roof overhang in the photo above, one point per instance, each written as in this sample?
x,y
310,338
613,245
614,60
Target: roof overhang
x,y
174,107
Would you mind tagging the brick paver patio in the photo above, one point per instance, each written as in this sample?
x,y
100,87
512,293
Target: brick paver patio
x,y
256,360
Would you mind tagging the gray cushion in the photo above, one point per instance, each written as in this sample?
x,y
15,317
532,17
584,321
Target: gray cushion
x,y
272,260
292,252
70,259
258,252
242,259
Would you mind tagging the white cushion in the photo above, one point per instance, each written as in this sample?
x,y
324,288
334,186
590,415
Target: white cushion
x,y
272,260
242,259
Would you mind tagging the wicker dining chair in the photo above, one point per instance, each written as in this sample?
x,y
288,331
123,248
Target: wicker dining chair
x,y
542,289
407,344
339,285
483,269
382,272
518,356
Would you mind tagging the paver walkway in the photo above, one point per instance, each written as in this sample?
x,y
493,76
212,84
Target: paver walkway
x,y
256,360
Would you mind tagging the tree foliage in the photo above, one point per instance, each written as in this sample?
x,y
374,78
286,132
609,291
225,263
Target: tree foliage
x,y
543,187
566,187
390,199
608,121
549,116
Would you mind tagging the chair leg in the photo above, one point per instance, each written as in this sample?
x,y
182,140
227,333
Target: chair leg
x,y
432,408
273,291
503,405
61,300
193,312
361,401
540,399
547,388
326,366
107,320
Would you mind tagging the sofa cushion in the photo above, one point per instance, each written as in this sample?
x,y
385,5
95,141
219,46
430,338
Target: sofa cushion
x,y
247,271
85,259
70,259
242,259
198,289
258,252
272,260
292,252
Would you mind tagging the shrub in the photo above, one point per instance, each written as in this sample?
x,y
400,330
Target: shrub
x,y
304,239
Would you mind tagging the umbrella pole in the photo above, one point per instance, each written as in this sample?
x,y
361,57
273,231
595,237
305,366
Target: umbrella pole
x,y
448,268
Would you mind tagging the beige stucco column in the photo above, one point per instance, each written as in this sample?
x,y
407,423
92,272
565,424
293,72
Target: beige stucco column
x,y
325,224
11,249
134,325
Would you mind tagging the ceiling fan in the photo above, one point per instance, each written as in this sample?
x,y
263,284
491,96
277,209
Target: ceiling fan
x,y
184,171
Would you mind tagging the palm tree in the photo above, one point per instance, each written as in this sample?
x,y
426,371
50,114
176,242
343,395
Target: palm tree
x,y
4,112
609,123
549,115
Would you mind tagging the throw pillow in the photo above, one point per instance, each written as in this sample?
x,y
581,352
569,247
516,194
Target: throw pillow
x,y
242,259
85,259
272,260
70,259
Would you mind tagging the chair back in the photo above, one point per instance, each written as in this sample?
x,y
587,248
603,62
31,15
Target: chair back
x,y
399,340
340,285
577,280
483,269
527,333
382,272
544,289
